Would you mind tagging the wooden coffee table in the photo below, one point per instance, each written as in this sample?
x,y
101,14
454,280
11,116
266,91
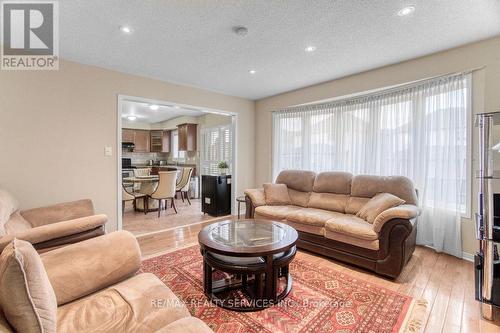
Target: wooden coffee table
x,y
244,262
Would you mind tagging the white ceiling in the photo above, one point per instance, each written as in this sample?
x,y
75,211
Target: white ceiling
x,y
191,41
145,114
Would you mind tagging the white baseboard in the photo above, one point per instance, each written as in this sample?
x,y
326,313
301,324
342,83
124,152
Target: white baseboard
x,y
467,256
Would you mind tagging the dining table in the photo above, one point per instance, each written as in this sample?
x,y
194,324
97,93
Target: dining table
x,y
147,186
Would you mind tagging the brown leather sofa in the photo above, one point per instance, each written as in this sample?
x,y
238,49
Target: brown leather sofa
x,y
90,286
323,210
49,227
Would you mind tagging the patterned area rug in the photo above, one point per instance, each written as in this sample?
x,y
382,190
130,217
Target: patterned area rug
x,y
321,300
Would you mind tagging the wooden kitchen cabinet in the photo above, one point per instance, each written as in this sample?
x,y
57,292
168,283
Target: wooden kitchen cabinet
x,y
156,141
142,140
166,138
128,135
187,137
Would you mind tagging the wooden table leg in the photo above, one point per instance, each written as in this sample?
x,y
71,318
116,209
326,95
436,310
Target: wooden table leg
x,y
207,278
270,284
239,210
259,287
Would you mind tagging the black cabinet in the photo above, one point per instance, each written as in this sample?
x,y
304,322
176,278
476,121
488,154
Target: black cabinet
x,y
216,195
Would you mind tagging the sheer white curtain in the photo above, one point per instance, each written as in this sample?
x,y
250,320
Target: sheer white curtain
x,y
420,131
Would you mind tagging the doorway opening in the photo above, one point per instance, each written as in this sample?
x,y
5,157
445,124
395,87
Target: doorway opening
x,y
169,154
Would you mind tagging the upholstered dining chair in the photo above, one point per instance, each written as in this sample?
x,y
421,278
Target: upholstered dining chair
x,y
127,196
140,172
183,184
165,190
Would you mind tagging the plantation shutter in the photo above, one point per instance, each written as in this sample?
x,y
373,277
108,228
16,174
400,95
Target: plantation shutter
x,y
217,146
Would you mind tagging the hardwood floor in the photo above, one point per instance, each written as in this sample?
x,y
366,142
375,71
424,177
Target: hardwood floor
x,y
140,224
446,282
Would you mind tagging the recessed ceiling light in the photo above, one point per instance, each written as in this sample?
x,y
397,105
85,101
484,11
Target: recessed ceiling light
x,y
126,29
131,118
406,11
310,48
177,107
154,107
252,71
240,30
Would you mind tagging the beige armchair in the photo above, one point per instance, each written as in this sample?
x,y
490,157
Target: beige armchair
x,y
51,226
91,286
165,190
183,186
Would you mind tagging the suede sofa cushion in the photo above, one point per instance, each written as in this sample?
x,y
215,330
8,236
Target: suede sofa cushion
x,y
274,212
329,201
312,216
276,194
352,226
141,303
376,205
368,186
8,205
299,180
26,295
333,182
186,325
299,198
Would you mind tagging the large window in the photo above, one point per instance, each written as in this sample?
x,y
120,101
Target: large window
x,y
420,131
216,147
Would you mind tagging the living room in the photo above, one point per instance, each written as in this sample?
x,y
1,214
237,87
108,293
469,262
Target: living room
x,y
323,93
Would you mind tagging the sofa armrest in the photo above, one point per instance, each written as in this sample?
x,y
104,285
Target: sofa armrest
x,y
406,212
83,268
256,196
59,212
56,230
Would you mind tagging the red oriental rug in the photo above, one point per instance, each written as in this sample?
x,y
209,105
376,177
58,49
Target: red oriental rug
x,y
321,300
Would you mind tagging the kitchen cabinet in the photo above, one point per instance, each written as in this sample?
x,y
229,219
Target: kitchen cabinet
x,y
156,141
142,140
166,138
187,137
128,135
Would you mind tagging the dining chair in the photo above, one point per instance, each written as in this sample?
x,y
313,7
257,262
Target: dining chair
x,y
166,189
140,172
183,184
127,196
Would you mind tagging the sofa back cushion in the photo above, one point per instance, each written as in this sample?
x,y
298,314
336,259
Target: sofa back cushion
x,y
329,201
368,186
299,198
26,295
8,205
354,204
333,182
298,180
276,194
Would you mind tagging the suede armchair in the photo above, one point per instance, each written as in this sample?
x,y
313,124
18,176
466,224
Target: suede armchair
x,y
90,286
51,226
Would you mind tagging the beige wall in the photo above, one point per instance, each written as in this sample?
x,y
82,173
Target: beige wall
x,y
486,97
54,126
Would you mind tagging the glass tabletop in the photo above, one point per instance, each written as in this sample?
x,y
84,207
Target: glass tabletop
x,y
246,233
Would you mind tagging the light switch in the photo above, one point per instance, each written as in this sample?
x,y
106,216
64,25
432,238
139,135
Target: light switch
x,y
108,151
